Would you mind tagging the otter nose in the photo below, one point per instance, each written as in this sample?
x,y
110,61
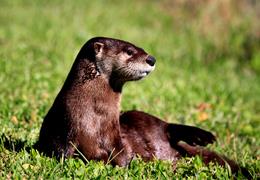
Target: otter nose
x,y
150,60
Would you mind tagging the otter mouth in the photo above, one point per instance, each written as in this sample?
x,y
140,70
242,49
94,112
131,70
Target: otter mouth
x,y
144,73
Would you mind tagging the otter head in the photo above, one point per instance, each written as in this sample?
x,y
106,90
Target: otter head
x,y
118,60
122,60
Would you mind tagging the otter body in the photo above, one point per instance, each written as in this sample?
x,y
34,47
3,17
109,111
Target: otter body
x,y
76,118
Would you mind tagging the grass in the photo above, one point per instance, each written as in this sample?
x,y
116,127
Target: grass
x,y
197,81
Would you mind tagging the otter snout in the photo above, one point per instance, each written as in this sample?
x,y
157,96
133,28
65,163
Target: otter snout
x,y
150,60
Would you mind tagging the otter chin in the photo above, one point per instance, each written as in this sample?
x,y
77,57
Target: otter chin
x,y
141,75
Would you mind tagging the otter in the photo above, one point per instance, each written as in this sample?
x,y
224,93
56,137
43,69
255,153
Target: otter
x,y
86,112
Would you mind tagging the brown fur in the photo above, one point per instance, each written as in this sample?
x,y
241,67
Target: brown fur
x,y
86,111
152,138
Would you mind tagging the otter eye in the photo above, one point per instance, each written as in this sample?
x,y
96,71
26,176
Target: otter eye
x,y
129,52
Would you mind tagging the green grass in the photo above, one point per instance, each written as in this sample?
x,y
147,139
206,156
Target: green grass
x,y
39,41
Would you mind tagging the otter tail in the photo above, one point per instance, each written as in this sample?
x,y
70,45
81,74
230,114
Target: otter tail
x,y
194,139
211,156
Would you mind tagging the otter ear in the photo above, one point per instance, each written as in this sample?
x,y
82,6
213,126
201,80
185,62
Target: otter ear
x,y
98,47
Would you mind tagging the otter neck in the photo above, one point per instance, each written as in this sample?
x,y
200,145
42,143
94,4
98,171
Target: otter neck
x,y
116,84
81,71
113,78
84,70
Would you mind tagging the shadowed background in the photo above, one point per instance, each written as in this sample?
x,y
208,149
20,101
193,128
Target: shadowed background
x,y
207,74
